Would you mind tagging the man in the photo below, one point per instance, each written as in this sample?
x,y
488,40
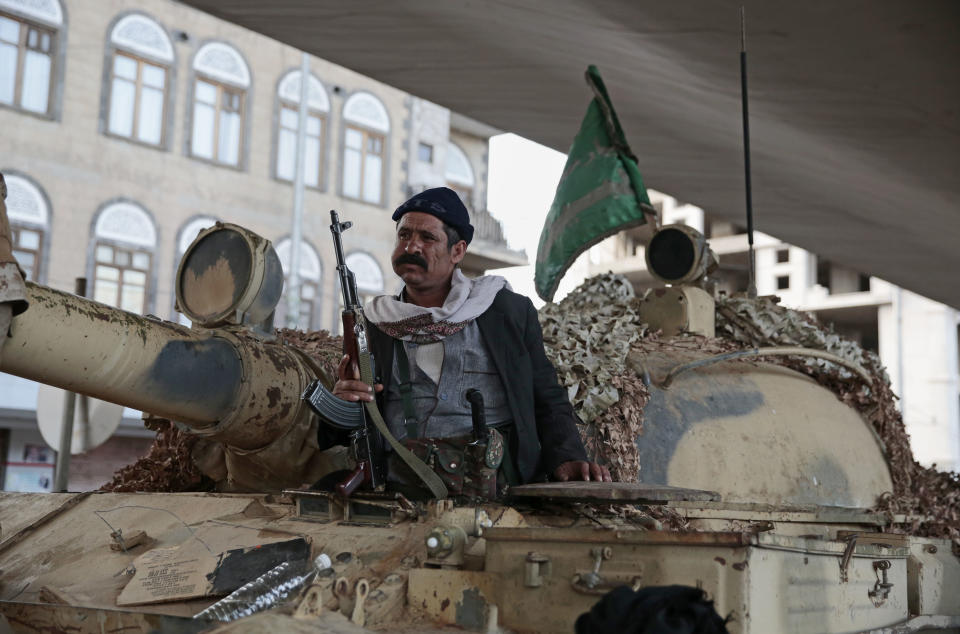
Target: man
x,y
13,293
458,334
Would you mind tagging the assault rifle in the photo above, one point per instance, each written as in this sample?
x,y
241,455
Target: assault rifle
x,y
366,442
368,431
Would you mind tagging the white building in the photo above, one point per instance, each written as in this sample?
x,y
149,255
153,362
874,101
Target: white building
x,y
130,125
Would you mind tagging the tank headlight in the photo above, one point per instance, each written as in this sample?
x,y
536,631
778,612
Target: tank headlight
x,y
228,275
678,254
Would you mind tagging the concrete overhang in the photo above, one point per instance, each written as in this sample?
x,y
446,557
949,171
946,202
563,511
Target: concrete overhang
x,y
484,255
854,105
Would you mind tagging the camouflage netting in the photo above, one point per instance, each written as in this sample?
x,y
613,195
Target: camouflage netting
x,y
599,321
167,467
587,337
325,349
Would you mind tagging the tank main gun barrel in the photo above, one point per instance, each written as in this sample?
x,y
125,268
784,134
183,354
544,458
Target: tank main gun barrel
x,y
86,347
225,384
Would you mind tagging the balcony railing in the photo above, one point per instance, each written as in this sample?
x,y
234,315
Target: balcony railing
x,y
486,227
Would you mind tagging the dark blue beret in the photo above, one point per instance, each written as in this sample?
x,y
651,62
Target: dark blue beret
x,y
443,203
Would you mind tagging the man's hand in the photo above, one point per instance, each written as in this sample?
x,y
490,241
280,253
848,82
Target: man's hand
x,y
581,470
349,387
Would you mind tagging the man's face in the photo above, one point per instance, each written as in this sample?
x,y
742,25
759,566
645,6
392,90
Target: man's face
x,y
421,257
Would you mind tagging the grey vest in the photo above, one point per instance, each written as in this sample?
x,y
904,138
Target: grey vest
x,y
442,409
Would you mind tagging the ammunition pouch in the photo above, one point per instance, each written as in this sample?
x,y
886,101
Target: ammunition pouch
x,y
467,467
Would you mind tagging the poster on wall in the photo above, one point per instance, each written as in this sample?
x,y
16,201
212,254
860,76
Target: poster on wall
x,y
33,473
29,478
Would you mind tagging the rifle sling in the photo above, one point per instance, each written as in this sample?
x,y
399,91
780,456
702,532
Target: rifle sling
x,y
425,473
406,389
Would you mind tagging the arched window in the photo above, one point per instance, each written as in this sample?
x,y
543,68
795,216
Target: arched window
x,y
29,41
125,240
365,135
311,273
29,216
318,105
187,234
459,174
368,274
139,78
219,95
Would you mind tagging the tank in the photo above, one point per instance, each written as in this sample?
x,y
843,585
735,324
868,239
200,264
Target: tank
x,y
742,473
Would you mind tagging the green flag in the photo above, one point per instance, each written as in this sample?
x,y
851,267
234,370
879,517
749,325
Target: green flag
x,y
600,193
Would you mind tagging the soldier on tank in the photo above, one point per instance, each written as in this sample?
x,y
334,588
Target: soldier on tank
x,y
13,292
445,336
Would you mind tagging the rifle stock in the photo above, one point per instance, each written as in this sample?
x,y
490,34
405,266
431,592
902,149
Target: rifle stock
x,y
362,473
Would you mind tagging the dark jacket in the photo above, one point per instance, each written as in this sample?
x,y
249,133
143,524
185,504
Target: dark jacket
x,y
545,423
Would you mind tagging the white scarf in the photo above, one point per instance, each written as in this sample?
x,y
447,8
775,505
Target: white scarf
x,y
467,300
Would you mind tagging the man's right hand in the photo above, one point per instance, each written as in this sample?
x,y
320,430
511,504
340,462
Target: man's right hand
x,y
349,387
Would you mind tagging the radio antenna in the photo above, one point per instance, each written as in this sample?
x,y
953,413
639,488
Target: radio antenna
x,y
752,283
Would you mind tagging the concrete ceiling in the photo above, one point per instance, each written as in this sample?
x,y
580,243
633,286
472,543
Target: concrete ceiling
x,y
853,104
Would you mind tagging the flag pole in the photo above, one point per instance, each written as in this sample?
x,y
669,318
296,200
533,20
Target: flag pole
x,y
752,284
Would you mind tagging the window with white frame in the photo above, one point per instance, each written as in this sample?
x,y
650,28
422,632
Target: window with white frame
x,y
29,37
425,152
368,274
29,216
222,79
139,77
125,240
459,174
190,231
311,273
367,126
318,105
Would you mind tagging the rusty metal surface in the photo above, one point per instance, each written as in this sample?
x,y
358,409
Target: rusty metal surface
x,y
570,570
808,513
625,492
934,575
25,531
624,536
679,309
19,510
12,287
805,591
943,624
454,597
44,618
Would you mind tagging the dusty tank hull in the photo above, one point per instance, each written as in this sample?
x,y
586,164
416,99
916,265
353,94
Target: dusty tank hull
x,y
787,569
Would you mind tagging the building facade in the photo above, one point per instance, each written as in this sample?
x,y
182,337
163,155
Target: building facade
x,y
916,338
130,125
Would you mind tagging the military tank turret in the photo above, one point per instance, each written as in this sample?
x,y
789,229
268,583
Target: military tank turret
x,y
747,479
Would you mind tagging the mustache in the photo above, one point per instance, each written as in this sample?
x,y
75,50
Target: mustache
x,y
410,258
